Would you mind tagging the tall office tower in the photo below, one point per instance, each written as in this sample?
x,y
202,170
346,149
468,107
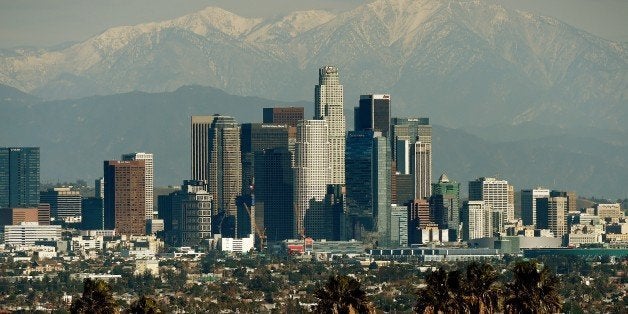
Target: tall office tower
x,y
283,115
494,193
335,205
373,113
311,177
189,219
256,137
422,169
99,188
125,196
64,203
476,220
274,193
149,175
445,203
571,199
329,106
528,204
398,225
92,214
199,154
412,130
552,214
510,212
368,186
225,171
19,177
418,218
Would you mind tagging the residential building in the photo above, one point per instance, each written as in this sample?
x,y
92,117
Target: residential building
x,y
476,220
125,198
148,179
495,194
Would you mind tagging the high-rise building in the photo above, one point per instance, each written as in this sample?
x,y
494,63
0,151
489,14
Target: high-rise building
x,y
422,169
256,137
528,204
373,113
418,218
43,214
125,196
64,203
199,144
571,198
412,130
311,177
15,216
445,203
189,209
225,172
495,194
149,176
92,214
274,193
552,214
283,115
335,208
99,188
398,225
368,185
404,188
476,220
27,233
329,106
19,177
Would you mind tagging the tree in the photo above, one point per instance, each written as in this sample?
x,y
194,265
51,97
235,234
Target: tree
x,y
340,295
481,292
532,290
443,293
144,305
97,298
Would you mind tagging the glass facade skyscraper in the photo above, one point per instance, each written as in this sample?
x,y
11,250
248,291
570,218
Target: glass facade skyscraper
x,y
19,177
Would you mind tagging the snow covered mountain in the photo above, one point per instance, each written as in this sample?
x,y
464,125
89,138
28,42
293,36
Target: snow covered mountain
x,y
462,62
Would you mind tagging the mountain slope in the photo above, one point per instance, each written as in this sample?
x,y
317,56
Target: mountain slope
x,y
461,62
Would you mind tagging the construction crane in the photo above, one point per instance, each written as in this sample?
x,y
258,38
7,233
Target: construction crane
x,y
261,233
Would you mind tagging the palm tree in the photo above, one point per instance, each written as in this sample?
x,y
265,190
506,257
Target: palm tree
x,y
533,290
342,295
443,293
144,305
97,298
481,292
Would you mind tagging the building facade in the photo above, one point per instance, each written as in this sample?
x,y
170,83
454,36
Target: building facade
x,y
495,194
64,203
552,215
528,204
283,115
19,177
199,146
445,203
329,106
125,198
373,113
476,220
148,180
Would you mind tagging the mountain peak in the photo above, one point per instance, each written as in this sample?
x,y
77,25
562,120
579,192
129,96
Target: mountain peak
x,y
223,20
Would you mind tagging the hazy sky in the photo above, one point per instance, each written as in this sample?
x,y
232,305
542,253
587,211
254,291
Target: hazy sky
x,y
43,23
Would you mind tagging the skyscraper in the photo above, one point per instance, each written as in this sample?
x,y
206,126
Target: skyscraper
x,y
476,220
411,130
92,214
149,175
125,196
189,214
368,185
329,106
274,193
64,203
445,203
199,144
225,171
422,169
311,177
552,214
495,194
283,115
373,113
99,188
528,204
19,177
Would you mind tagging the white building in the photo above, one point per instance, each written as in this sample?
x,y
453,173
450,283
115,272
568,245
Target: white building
x,y
528,204
311,174
27,233
329,106
148,179
609,211
242,245
495,193
476,220
87,243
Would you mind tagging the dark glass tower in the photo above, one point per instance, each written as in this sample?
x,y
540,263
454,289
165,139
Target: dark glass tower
x,y
445,204
373,113
19,177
